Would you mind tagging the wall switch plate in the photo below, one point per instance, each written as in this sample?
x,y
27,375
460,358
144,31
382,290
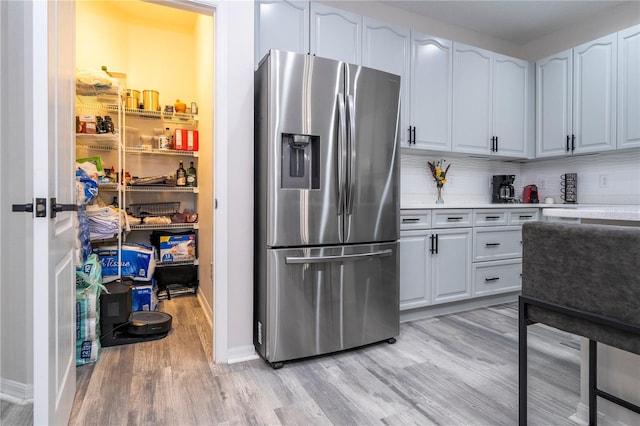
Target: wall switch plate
x,y
604,181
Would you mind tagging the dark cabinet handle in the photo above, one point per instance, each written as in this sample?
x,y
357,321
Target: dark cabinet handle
x,y
568,146
487,280
410,219
496,144
436,243
432,238
573,143
410,135
493,144
414,135
526,217
454,218
492,244
492,217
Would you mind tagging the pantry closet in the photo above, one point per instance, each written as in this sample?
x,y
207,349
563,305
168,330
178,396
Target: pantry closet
x,y
152,48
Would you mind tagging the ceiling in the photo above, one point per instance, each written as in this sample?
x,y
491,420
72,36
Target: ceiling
x,y
517,22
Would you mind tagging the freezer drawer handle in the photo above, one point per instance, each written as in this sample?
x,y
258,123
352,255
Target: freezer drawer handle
x,y
325,259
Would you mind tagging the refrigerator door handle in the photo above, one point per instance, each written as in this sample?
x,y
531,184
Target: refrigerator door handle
x,y
326,259
352,153
342,148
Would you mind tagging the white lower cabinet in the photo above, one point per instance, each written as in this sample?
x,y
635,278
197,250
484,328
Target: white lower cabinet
x,y
450,253
415,281
497,277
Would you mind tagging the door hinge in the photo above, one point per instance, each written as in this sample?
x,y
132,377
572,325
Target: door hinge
x,y
40,210
55,207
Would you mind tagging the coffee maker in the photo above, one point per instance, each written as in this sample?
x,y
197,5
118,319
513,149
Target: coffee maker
x,y
502,190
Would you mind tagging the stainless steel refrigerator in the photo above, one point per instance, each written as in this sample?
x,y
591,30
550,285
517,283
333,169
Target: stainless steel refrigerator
x,y
327,198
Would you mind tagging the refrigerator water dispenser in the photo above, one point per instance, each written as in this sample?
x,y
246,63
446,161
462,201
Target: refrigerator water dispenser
x,y
300,161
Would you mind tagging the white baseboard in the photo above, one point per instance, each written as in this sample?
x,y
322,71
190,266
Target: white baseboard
x,y
241,354
16,392
206,308
455,307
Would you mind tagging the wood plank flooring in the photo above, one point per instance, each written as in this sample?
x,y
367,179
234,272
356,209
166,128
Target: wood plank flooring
x,y
458,369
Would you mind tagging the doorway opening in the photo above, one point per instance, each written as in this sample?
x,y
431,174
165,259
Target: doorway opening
x,y
166,49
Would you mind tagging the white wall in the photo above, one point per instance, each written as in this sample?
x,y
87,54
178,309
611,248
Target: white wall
x,y
621,170
239,197
616,19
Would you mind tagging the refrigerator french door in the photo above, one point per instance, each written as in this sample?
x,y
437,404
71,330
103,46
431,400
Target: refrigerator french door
x,y
326,206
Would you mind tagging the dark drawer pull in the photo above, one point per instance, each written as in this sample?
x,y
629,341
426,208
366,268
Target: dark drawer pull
x,y
455,218
487,280
492,244
526,217
493,217
410,219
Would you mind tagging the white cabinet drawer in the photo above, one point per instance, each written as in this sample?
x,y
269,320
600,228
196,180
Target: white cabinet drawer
x,y
415,219
504,242
520,216
489,217
455,218
497,277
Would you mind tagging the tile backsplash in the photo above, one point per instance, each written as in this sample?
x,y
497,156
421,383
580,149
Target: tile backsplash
x,y
609,178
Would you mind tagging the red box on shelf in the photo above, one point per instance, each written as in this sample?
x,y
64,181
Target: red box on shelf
x,y
192,140
185,140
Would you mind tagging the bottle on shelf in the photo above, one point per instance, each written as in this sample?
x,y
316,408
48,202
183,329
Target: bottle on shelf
x,y
192,179
181,176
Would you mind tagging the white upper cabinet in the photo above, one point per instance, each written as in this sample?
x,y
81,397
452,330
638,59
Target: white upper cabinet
x,y
386,48
628,134
430,97
510,105
335,34
472,99
594,95
554,95
576,99
282,25
489,102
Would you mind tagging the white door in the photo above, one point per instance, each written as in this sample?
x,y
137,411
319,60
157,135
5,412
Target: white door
x,y
335,34
554,96
54,374
510,105
415,281
385,47
281,25
451,265
629,88
594,94
472,95
431,92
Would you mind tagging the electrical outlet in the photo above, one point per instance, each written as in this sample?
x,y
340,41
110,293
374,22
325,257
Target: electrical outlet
x,y
604,181
542,183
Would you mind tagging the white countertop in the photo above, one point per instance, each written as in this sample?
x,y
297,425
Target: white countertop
x,y
627,213
418,205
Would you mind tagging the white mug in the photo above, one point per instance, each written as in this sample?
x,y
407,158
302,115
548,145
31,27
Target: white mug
x,y
549,200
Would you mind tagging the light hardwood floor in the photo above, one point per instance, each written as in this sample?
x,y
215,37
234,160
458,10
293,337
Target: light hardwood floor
x,y
457,369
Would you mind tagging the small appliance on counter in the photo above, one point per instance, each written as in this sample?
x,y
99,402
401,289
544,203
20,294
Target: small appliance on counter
x,y
502,190
530,194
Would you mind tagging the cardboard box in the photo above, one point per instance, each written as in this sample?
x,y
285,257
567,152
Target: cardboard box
x,y
192,140
87,124
185,140
177,247
144,297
